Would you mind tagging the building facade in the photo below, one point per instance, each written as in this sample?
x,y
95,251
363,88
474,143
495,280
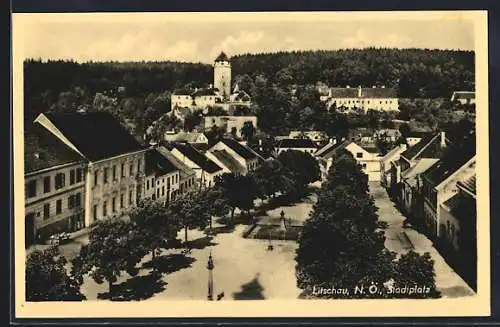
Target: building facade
x,y
351,99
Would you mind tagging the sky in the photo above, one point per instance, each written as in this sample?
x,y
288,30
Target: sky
x,y
197,37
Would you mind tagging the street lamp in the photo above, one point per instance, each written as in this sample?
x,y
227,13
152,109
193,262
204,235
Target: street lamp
x,y
210,267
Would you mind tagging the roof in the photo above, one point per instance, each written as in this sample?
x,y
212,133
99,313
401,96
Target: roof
x,y
197,157
241,96
366,92
452,202
463,95
452,160
421,166
330,150
296,143
242,150
418,134
222,57
158,164
97,135
229,161
371,148
392,152
184,169
469,184
203,92
412,151
42,150
190,137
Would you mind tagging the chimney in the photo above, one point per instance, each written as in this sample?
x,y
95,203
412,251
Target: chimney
x,y
443,139
359,91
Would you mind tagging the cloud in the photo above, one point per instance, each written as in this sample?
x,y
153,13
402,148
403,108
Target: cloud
x,y
245,41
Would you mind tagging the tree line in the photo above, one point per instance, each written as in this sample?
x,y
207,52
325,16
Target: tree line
x,y
117,245
341,245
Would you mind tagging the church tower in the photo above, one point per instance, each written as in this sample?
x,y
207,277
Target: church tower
x,y
222,75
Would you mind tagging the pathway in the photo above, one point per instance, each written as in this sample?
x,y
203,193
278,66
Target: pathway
x,y
401,239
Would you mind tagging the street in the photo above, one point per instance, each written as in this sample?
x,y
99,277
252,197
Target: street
x,y
401,239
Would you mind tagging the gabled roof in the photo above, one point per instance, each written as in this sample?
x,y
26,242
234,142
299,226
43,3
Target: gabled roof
x,y
222,57
392,152
452,160
469,184
242,150
197,157
366,92
229,161
413,151
204,92
190,137
97,135
184,169
42,150
296,143
332,149
158,164
420,167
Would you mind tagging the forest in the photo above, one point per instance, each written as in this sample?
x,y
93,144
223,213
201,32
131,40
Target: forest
x,y
139,92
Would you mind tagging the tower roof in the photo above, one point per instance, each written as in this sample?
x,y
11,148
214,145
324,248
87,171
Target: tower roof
x,y
222,57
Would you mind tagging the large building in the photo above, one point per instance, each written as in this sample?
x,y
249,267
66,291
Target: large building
x,y
162,177
347,99
54,177
115,160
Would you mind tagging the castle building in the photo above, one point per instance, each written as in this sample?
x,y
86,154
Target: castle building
x,y
185,100
222,75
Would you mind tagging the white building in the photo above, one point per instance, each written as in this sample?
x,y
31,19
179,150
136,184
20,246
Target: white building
x,y
162,177
464,97
234,156
303,145
229,123
347,99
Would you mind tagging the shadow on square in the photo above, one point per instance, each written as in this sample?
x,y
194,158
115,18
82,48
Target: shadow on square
x,y
168,264
136,288
250,291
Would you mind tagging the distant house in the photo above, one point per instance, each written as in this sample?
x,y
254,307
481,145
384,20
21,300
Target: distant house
x,y
234,156
368,158
303,145
347,99
385,164
115,160
464,97
413,138
315,136
388,134
187,176
162,177
440,183
206,170
230,124
327,153
54,178
193,137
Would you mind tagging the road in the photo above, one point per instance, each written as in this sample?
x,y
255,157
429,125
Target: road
x,y
401,239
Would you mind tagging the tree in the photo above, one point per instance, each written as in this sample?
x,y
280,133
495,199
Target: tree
x,y
248,131
189,211
192,120
214,202
239,190
47,279
413,269
114,246
152,223
216,111
270,178
301,167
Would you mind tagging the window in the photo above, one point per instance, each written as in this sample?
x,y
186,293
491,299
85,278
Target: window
x,y
158,193
95,211
163,191
105,175
359,155
121,200
364,166
380,102
130,197
58,206
46,184
147,185
71,177
139,165
104,209
114,173
122,170
131,169
74,201
79,174
59,180
46,210
168,182
96,175
158,182
78,200
113,204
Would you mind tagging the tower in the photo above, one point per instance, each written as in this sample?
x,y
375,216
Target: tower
x,y
222,75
